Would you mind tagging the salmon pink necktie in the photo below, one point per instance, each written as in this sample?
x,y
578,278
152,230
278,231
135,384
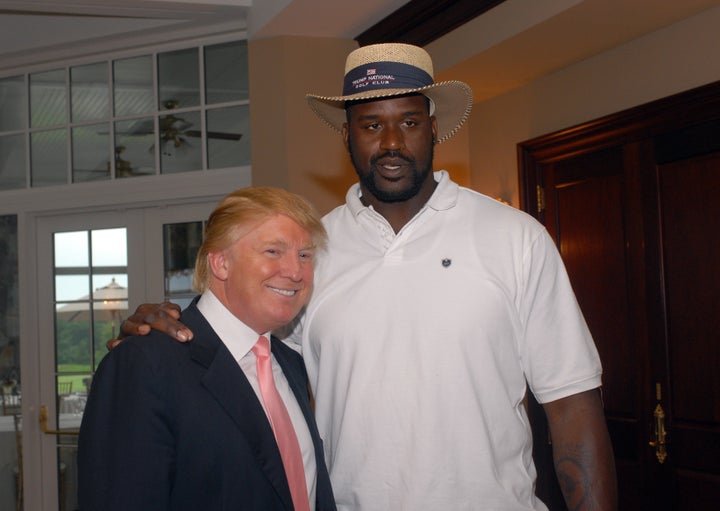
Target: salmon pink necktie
x,y
282,426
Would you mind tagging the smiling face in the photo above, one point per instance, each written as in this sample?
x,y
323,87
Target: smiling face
x,y
391,146
265,277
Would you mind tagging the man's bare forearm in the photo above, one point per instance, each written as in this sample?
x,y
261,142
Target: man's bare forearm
x,y
582,452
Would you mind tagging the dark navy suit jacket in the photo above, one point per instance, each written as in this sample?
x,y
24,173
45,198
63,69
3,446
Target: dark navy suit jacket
x,y
177,426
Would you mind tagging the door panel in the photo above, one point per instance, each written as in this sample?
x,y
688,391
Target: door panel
x,y
590,218
690,208
587,214
689,205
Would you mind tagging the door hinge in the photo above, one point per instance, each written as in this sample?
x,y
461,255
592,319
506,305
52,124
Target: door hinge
x,y
540,199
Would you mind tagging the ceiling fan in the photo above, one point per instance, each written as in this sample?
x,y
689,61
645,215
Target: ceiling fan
x,y
123,168
175,130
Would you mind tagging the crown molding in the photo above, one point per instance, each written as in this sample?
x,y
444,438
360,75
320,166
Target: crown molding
x,y
420,22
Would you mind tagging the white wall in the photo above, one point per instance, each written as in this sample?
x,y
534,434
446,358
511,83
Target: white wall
x,y
671,60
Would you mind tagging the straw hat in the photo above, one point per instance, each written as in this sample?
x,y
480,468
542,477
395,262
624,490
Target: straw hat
x,y
392,69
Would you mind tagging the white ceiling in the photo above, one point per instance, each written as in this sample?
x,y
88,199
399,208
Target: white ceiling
x,y
511,44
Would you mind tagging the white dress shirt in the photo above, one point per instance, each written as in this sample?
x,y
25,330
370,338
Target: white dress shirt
x,y
239,339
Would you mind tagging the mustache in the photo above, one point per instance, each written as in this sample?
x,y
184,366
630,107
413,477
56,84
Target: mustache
x,y
391,154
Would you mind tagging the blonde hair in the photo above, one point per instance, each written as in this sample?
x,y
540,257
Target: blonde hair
x,y
245,207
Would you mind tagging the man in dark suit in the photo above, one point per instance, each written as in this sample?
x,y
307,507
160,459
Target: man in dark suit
x,y
171,426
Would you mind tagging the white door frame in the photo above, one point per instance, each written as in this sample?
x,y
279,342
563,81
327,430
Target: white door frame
x,y
145,284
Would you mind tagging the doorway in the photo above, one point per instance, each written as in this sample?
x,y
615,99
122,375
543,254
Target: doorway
x,y
93,269
632,201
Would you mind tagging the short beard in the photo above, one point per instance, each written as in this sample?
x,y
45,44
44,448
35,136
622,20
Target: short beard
x,y
368,179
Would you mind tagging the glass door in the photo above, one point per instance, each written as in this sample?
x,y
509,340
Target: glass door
x,y
90,300
93,270
85,264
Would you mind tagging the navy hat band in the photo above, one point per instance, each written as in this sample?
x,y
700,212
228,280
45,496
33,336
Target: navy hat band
x,y
385,75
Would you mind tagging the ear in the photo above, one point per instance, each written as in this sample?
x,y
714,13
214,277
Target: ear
x,y
346,135
219,264
433,124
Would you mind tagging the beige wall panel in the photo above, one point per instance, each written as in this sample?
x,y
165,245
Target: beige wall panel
x,y
291,147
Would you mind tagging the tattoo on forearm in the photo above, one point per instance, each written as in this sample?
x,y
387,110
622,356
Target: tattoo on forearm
x,y
575,482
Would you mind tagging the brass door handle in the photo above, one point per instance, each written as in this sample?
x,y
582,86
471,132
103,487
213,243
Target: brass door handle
x,y
43,425
660,441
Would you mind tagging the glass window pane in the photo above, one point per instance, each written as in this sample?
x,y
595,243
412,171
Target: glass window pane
x,y
110,305
48,158
69,288
178,79
103,332
48,96
90,151
12,162
109,247
72,311
90,93
64,388
226,72
110,286
135,147
181,243
73,338
133,86
12,104
71,249
228,137
180,143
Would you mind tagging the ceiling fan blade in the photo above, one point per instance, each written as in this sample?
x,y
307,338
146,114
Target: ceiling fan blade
x,y
224,136
138,131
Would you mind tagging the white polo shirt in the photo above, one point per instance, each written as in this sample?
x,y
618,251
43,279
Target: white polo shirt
x,y
418,347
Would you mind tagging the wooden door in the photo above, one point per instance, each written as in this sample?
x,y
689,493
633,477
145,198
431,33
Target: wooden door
x,y
689,200
634,217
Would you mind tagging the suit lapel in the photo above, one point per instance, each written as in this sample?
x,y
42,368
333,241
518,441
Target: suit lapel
x,y
227,383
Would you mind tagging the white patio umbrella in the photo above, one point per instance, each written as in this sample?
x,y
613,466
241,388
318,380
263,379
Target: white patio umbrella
x,y
109,303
